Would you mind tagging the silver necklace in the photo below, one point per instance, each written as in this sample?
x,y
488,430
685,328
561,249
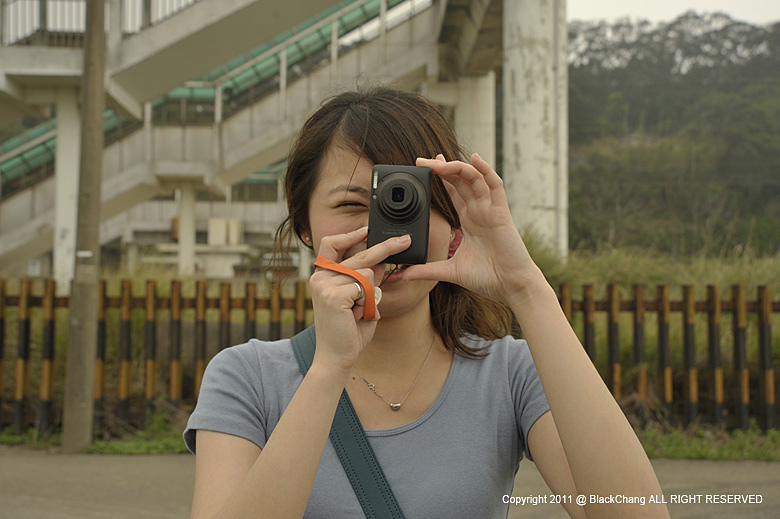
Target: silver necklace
x,y
396,406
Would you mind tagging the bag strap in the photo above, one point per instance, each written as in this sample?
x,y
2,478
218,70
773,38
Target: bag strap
x,y
349,439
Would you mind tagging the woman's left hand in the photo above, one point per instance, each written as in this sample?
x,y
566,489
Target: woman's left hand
x,y
492,259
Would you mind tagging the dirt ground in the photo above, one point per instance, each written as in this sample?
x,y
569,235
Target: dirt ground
x,y
39,485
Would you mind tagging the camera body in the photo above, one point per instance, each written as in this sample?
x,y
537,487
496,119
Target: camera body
x,y
400,204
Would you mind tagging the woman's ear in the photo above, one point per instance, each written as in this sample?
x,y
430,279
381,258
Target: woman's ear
x,y
455,241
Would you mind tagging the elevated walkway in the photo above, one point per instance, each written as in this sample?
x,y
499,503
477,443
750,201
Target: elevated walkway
x,y
214,132
148,53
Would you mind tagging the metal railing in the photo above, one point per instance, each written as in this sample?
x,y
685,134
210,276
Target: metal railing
x,y
692,361
61,23
242,82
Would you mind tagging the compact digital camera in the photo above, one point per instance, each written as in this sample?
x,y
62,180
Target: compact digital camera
x,y
400,204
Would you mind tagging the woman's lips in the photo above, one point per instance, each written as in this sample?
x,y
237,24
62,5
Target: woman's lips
x,y
392,273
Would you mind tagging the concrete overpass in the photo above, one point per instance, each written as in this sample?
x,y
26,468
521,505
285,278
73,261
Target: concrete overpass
x,y
449,50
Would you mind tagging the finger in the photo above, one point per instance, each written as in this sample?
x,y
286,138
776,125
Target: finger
x,y
457,200
434,271
491,177
360,296
333,247
378,253
370,275
463,190
469,181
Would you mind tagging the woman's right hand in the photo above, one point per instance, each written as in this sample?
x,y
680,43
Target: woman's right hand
x,y
341,331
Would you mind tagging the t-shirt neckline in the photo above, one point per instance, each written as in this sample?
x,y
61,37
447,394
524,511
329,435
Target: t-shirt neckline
x,y
456,360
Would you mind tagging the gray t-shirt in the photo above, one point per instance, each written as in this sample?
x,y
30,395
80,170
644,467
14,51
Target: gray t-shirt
x,y
457,460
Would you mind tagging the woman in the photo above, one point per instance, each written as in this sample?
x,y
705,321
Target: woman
x,y
449,402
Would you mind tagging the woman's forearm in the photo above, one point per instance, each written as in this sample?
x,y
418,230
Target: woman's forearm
x,y
280,481
604,454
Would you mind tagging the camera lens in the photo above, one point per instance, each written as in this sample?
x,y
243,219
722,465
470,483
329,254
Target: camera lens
x,y
400,198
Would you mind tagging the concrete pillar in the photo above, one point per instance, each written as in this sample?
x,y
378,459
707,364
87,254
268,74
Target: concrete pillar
x,y
66,180
132,258
535,165
187,230
473,102
114,34
305,261
475,115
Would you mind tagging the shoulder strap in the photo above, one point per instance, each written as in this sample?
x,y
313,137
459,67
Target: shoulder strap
x,y
349,439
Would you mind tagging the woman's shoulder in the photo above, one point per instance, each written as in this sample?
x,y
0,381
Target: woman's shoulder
x,y
501,350
508,358
254,356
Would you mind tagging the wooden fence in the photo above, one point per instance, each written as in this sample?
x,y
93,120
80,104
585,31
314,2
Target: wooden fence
x,y
727,396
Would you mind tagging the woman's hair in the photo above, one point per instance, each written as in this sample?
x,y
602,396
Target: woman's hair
x,y
389,126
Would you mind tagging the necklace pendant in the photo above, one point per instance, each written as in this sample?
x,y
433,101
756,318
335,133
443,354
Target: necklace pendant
x,y
395,407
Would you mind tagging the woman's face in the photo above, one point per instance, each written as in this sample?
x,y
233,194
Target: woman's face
x,y
339,204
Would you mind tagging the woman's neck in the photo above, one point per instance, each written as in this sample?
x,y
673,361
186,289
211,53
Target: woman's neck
x,y
400,343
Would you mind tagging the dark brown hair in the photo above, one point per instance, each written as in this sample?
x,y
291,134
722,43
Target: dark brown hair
x,y
390,126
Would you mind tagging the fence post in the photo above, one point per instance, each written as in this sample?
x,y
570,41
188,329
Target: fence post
x,y
664,359
713,346
300,306
765,355
125,348
589,327
100,357
740,354
566,301
47,358
21,389
224,316
175,374
689,355
639,341
2,335
150,348
276,311
200,334
250,302
713,341
613,313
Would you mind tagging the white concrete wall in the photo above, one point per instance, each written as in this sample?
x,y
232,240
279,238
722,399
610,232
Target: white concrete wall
x,y
535,167
248,141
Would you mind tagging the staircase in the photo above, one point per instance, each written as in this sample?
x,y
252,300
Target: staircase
x,y
231,123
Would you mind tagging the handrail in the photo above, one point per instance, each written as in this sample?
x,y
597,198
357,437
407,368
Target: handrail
x,y
28,145
349,7
209,88
60,23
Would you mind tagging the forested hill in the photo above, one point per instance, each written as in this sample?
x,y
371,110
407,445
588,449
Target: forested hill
x,y
675,135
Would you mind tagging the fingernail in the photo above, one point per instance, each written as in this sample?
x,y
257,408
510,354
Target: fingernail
x,y
362,229
404,239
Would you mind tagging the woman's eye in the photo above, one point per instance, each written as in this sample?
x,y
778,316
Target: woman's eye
x,y
350,204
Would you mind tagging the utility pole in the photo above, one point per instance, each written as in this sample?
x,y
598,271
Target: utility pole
x,y
78,413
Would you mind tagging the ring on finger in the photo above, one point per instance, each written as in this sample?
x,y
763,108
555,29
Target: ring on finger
x,y
360,292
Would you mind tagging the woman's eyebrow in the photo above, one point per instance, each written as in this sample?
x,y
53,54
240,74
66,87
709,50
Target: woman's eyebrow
x,y
350,188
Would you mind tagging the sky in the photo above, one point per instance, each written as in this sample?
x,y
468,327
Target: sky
x,y
757,12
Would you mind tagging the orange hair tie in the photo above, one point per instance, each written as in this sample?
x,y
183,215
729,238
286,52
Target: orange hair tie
x,y
369,311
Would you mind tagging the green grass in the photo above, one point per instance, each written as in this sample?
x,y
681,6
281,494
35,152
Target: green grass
x,y
30,438
703,442
707,443
162,435
624,267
